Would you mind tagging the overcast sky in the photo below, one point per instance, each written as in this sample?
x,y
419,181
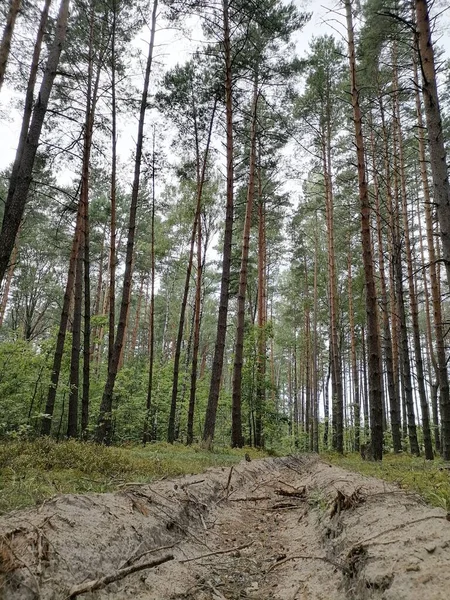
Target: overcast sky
x,y
326,17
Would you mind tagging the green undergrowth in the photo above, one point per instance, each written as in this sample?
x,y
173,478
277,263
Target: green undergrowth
x,y
430,479
31,472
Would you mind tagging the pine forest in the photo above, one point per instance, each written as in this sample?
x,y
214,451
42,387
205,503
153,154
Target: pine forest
x,y
216,233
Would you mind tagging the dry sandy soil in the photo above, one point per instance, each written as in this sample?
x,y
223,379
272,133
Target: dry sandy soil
x,y
293,528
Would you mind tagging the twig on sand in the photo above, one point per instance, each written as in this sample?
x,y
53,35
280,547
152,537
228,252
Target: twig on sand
x,y
402,525
136,556
229,478
185,485
251,499
217,552
102,582
298,556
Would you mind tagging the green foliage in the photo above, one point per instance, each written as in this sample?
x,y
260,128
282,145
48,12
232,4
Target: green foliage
x,y
30,472
23,381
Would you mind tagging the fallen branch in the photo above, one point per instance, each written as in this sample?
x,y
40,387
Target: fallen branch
x,y
229,478
102,582
402,525
251,499
135,556
185,485
296,493
217,552
285,506
298,556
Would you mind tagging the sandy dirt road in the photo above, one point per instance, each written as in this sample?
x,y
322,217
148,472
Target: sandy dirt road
x,y
292,528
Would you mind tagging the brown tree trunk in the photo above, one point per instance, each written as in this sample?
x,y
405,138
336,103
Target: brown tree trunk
x,y
8,280
374,362
394,404
65,311
438,155
176,364
216,374
336,371
236,423
72,413
16,201
261,307
92,96
104,427
5,43
315,358
137,316
151,333
406,375
196,343
412,292
353,359
441,358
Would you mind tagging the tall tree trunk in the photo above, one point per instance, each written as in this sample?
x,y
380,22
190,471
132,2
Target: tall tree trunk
x,y
315,358
336,371
112,239
353,359
176,364
441,358
64,319
92,96
72,413
394,404
196,343
261,307
412,292
438,155
406,375
216,374
374,362
137,316
104,427
5,43
8,280
236,423
16,201
151,333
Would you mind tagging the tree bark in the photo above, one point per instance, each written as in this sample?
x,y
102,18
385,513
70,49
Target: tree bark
x,y
15,204
104,426
236,408
412,292
439,170
151,333
176,365
394,404
5,44
65,311
216,375
374,362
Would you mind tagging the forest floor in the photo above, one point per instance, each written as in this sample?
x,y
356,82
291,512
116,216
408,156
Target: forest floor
x,y
291,528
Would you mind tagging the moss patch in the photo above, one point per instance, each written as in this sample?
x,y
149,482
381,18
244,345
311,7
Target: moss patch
x,y
30,472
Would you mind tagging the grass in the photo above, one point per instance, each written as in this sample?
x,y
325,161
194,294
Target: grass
x,y
30,472
427,478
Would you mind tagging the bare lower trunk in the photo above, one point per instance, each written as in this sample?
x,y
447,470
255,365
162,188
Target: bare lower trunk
x,y
374,362
394,405
196,224
216,374
236,423
65,311
104,427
